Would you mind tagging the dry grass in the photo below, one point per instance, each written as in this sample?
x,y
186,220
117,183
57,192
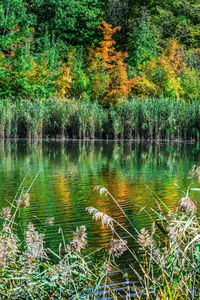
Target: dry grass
x,y
168,263
29,270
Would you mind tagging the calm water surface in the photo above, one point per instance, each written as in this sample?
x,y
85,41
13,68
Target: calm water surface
x,y
70,170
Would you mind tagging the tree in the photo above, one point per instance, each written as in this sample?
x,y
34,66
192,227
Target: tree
x,y
178,19
143,44
65,22
14,22
107,68
161,76
117,14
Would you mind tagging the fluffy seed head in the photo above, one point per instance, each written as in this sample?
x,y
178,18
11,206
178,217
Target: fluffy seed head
x,y
144,238
34,243
19,201
50,221
117,247
187,205
25,201
79,239
8,247
6,213
97,215
102,190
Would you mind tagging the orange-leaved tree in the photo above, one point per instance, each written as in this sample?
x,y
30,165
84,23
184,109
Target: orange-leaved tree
x,y
107,69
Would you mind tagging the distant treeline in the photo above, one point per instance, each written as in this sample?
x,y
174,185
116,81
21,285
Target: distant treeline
x,y
134,119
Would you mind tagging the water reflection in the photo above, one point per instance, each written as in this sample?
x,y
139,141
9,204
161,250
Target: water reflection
x,y
70,170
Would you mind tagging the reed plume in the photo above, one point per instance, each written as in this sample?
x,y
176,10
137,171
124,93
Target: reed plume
x,y
50,221
79,239
23,201
144,239
6,213
117,247
34,243
188,205
97,215
8,246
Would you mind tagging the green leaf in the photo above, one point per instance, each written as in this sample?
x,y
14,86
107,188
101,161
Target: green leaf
x,y
162,229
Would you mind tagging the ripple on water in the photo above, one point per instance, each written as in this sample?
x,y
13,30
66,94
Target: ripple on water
x,y
136,174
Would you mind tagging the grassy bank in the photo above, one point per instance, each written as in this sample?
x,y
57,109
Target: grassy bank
x,y
135,119
166,262
30,270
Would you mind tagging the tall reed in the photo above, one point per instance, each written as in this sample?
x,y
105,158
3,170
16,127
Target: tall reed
x,y
156,119
31,270
167,263
153,119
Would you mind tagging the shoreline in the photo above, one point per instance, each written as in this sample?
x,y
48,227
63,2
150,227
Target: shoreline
x,y
102,140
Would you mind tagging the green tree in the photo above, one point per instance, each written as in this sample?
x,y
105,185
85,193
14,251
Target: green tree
x,y
143,44
14,22
65,22
179,19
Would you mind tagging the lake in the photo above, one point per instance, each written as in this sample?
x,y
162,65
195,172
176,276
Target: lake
x,y
70,170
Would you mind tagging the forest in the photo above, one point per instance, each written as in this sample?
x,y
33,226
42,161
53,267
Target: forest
x,y
112,54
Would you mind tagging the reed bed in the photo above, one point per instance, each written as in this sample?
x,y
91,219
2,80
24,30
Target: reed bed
x,y
153,119
29,270
166,262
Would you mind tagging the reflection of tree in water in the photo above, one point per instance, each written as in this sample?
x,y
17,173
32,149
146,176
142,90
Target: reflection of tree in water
x,y
71,169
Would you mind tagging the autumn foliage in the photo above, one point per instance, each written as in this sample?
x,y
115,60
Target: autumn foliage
x,y
101,74
161,75
107,69
63,82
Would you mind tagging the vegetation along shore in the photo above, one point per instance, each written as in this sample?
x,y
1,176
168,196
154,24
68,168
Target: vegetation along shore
x,y
154,119
99,70
109,69
165,265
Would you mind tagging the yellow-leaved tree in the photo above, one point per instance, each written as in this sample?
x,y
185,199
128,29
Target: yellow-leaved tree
x,y
161,75
63,82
